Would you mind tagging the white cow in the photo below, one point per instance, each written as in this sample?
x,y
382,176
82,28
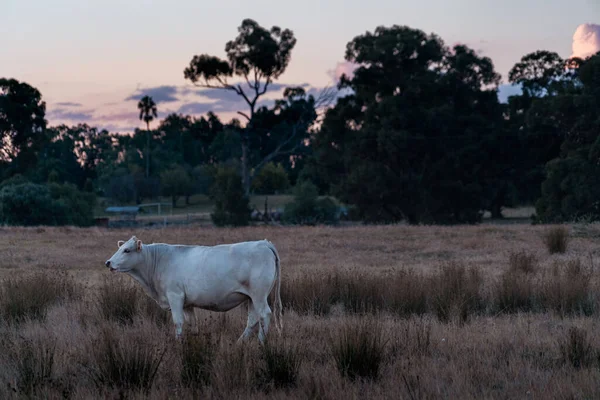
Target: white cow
x,y
216,278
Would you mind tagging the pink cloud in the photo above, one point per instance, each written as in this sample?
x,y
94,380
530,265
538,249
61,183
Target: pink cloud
x,y
586,40
341,68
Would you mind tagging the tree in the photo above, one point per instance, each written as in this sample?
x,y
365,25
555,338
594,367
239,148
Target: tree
x,y
413,140
232,206
148,112
538,73
22,124
176,182
536,118
571,187
272,179
258,56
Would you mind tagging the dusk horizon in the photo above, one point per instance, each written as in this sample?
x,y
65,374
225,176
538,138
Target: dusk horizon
x,y
100,58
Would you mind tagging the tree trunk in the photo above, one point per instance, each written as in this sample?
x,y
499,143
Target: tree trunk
x,y
148,150
174,201
496,211
245,167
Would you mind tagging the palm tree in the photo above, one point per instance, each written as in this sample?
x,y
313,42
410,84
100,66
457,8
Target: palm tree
x,y
147,108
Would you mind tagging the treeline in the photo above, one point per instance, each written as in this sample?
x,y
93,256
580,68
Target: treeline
x,y
417,133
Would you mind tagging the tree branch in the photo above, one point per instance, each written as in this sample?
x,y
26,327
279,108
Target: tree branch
x,y
243,114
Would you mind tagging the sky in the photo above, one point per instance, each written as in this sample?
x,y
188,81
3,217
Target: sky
x,y
92,60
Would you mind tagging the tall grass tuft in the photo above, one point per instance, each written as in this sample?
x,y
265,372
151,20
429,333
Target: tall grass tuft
x,y
29,297
34,361
556,239
358,349
282,363
456,293
118,301
576,349
523,261
516,291
566,289
197,354
123,360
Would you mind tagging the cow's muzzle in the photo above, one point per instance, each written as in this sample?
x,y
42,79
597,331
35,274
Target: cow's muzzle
x,y
109,267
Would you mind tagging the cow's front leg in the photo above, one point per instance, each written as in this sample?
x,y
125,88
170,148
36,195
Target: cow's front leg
x,y
176,304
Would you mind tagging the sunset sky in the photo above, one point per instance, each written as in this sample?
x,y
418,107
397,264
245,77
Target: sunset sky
x,y
93,59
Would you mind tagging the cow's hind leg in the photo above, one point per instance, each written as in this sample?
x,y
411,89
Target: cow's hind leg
x,y
190,316
264,317
252,323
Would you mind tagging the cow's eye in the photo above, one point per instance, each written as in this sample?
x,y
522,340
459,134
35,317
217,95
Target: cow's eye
x,y
126,251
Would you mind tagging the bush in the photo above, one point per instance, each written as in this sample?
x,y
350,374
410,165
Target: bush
x,y
78,205
308,209
32,204
271,179
232,206
556,239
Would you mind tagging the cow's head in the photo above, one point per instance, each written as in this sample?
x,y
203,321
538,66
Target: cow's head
x,y
127,257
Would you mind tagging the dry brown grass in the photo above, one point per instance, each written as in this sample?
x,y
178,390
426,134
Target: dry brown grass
x,y
462,312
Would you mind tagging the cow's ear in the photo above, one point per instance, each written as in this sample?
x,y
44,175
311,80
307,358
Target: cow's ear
x,y
120,243
139,245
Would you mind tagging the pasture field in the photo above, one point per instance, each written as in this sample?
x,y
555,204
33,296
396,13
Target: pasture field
x,y
402,312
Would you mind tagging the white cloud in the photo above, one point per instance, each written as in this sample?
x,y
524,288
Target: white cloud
x,y
341,68
586,40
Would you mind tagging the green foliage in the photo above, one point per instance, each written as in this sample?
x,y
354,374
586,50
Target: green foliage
x,y
176,182
308,209
417,139
272,179
28,204
22,123
231,204
13,180
78,205
203,178
572,186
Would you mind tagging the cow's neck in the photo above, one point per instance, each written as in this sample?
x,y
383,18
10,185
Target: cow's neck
x,y
145,274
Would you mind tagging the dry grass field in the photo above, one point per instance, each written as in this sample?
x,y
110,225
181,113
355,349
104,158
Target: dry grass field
x,y
473,312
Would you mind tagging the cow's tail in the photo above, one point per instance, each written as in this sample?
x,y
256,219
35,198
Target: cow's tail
x,y
277,306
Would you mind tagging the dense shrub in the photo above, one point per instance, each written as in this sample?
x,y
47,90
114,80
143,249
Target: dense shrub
x,y
53,204
308,209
